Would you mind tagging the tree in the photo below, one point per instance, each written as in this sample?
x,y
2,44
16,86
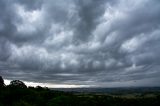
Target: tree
x,y
1,82
17,83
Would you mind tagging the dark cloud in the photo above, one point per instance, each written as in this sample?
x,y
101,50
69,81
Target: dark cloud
x,y
94,42
30,4
89,13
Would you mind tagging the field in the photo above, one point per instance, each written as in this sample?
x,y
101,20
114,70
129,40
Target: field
x,y
17,96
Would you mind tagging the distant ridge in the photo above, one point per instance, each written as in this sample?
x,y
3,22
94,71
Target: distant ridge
x,y
111,90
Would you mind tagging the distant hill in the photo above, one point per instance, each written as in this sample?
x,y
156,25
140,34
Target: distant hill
x,y
110,90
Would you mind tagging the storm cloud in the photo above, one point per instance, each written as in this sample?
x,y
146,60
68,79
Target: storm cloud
x,y
103,43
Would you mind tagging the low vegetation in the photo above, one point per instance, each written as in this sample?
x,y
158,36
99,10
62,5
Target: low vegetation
x,y
18,94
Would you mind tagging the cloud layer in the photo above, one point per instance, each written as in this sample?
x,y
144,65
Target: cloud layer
x,y
82,42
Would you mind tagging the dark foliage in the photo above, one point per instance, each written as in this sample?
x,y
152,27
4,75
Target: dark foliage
x,y
17,84
17,94
1,82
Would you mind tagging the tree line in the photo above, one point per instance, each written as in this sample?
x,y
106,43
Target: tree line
x,y
18,94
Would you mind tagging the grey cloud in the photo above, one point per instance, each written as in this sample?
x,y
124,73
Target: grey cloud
x,y
89,13
4,50
30,4
93,42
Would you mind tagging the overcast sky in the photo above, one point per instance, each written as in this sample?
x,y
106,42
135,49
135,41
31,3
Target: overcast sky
x,y
102,43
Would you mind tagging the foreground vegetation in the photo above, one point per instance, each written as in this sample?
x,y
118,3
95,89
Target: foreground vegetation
x,y
18,94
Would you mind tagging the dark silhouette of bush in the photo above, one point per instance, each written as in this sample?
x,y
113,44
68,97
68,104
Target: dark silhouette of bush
x,y
17,94
62,100
22,103
17,84
1,82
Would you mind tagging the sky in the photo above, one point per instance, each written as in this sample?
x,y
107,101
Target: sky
x,y
80,43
